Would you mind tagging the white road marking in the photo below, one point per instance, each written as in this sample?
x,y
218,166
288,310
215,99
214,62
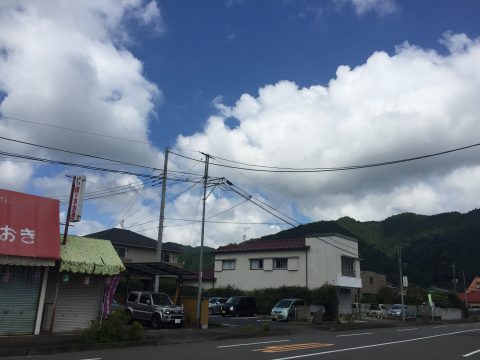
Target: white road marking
x,y
440,326
359,334
461,324
473,352
264,320
255,343
376,345
93,359
232,325
409,329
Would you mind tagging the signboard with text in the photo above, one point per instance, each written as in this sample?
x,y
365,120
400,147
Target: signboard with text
x,y
29,225
77,198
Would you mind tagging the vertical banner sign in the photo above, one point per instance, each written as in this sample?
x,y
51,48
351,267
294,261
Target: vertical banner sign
x,y
77,198
29,225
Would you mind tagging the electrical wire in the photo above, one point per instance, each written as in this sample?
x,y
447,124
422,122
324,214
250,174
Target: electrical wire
x,y
66,163
77,153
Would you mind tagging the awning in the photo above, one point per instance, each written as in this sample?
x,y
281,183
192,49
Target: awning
x,y
156,268
89,256
25,261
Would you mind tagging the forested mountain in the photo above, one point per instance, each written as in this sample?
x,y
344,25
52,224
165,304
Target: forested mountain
x,y
430,245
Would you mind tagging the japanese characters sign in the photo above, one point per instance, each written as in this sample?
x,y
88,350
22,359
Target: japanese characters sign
x,y
29,225
77,198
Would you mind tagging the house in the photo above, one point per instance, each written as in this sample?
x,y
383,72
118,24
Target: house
x,y
311,262
472,294
133,247
208,279
372,282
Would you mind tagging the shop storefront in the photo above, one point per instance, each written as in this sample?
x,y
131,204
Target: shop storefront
x,y
29,247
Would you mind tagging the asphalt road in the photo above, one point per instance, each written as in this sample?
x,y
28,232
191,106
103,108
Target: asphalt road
x,y
454,341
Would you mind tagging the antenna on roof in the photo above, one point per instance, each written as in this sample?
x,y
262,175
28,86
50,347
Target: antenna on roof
x,y
245,228
121,223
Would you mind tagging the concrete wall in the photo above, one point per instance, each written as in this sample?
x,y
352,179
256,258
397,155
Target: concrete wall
x,y
325,265
245,278
135,254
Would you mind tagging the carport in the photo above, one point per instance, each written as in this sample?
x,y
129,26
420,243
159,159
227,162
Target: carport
x,y
152,269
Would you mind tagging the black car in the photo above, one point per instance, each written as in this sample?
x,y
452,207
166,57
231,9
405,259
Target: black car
x,y
240,306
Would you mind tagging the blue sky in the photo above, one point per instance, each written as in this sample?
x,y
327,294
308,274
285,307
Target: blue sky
x,y
221,50
297,84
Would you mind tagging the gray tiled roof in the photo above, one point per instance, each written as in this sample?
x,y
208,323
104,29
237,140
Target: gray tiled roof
x,y
130,238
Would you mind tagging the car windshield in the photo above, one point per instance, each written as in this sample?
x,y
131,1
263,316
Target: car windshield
x,y
284,303
396,307
212,300
374,307
222,300
232,300
161,299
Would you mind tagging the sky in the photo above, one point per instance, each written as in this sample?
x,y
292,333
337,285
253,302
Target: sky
x,y
282,84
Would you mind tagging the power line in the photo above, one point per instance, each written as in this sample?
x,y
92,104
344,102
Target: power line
x,y
272,169
77,153
73,130
66,163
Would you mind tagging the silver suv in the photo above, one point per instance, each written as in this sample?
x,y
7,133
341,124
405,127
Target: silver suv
x,y
157,308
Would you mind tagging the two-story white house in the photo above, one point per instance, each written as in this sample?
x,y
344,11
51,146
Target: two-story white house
x,y
311,262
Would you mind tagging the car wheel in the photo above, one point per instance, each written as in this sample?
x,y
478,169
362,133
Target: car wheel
x,y
156,321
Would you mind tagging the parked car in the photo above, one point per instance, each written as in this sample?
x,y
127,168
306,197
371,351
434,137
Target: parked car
x,y
157,308
377,310
396,311
215,305
240,305
285,309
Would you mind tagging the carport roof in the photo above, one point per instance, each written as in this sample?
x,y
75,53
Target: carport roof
x,y
156,268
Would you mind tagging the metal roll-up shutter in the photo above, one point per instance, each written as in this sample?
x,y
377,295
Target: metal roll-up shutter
x,y
19,294
77,303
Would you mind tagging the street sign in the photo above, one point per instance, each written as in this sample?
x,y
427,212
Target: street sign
x,y
405,281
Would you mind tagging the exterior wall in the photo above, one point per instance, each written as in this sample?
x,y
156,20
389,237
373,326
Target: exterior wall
x,y
378,281
206,284
246,279
135,254
325,265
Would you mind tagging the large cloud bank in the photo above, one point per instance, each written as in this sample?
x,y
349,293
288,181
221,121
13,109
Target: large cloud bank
x,y
413,102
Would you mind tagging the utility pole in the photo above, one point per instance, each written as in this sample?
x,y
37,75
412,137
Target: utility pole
x,y
454,280
200,266
465,289
162,216
401,281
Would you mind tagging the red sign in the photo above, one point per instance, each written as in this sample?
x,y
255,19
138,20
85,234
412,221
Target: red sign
x,y
29,225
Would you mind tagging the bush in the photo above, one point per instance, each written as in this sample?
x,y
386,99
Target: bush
x,y
115,328
267,298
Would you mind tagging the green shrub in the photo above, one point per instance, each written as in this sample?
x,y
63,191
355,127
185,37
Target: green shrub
x,y
113,329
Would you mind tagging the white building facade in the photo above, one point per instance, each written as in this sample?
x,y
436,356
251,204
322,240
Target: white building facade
x,y
311,262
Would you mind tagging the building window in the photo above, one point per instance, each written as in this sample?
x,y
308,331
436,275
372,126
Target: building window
x,y
280,264
228,264
348,266
478,285
256,264
165,257
121,251
371,280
